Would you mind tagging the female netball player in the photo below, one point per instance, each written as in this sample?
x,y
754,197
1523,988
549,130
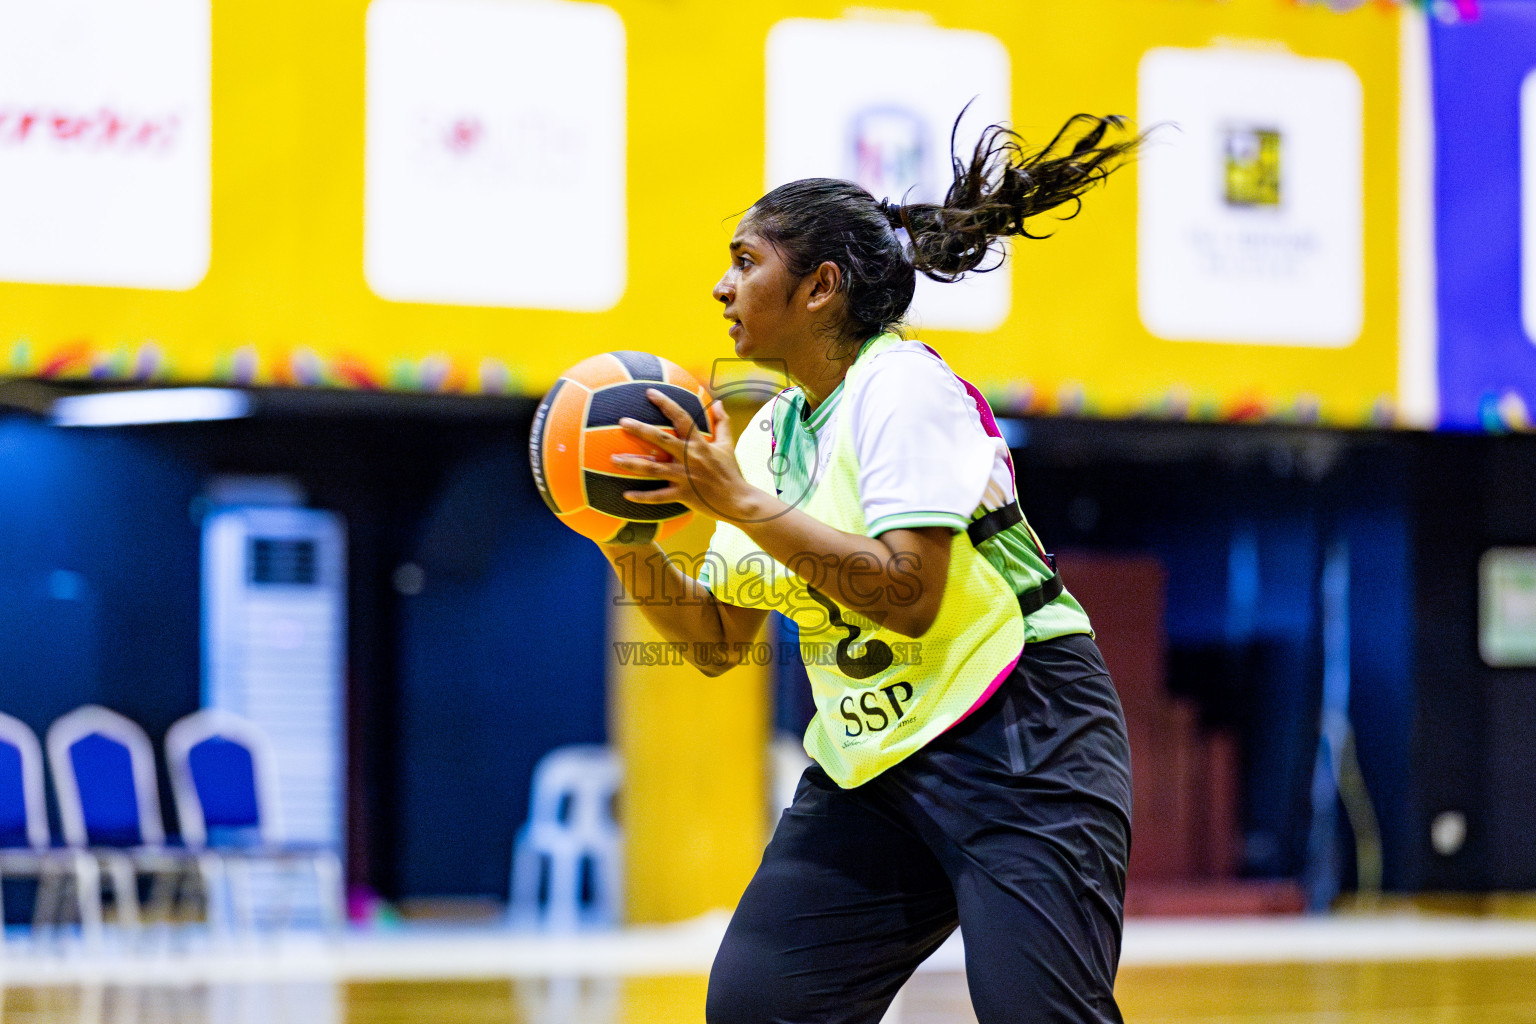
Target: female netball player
x,y
971,763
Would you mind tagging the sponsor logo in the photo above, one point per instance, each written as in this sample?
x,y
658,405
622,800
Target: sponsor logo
x,y
93,130
1251,166
867,715
888,150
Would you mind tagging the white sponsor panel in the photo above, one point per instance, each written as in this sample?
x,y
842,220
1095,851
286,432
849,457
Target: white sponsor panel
x,y
1251,218
1507,607
104,142
1528,204
495,153
874,102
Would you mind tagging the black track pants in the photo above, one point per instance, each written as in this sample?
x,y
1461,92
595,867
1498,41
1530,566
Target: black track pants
x,y
1015,825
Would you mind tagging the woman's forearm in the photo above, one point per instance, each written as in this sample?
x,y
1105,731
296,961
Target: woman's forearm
x,y
898,587
680,607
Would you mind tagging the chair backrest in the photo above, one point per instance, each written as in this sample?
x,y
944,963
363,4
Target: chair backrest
x,y
23,810
104,776
574,788
223,777
566,869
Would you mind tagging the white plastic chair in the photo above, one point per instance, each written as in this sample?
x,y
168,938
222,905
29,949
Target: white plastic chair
x,y
233,787
566,867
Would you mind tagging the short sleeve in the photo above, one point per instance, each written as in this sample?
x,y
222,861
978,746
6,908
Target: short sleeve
x,y
924,457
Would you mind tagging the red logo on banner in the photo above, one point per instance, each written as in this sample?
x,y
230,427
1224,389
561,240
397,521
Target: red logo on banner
x,y
102,129
464,134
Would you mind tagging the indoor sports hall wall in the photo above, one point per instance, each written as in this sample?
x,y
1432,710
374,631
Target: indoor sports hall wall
x,y
470,195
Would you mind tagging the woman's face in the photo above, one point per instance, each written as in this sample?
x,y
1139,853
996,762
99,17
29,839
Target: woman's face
x,y
759,297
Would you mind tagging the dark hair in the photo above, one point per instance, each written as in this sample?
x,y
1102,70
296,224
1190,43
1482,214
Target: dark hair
x,y
995,192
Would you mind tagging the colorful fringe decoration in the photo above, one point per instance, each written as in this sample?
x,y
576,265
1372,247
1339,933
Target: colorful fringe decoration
x,y
1445,10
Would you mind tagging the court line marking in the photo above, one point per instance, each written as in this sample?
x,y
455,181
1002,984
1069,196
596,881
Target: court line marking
x,y
186,957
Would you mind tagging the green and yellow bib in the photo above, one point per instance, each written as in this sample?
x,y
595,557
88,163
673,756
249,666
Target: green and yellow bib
x,y
879,695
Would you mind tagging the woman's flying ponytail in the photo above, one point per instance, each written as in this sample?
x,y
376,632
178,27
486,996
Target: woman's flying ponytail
x,y
1001,186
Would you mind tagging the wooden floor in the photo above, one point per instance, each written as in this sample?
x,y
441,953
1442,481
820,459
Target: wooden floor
x,y
1436,992
1501,991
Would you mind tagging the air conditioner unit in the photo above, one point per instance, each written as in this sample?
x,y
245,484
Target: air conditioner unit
x,y
274,643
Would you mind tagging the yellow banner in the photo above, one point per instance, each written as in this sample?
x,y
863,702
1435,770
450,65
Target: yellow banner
x,y
472,195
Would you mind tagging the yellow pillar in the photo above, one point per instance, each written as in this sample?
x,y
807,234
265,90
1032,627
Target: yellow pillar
x,y
663,1000
694,800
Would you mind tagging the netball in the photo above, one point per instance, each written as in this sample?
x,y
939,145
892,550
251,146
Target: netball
x,y
576,433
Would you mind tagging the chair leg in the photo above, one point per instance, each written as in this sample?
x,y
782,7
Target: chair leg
x,y
47,893
163,883
240,890
285,906
333,913
562,910
125,888
87,873
210,871
186,894
53,900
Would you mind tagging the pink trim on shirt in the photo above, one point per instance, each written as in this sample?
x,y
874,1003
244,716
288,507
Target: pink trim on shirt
x,y
983,410
988,692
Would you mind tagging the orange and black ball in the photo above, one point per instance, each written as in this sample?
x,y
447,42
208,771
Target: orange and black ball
x,y
576,432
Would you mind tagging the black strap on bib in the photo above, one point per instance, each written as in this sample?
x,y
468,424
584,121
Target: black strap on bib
x,y
995,522
1032,601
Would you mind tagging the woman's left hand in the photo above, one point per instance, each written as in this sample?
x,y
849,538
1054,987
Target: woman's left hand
x,y
702,474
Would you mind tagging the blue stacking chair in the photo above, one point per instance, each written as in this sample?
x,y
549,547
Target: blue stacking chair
x,y
26,850
109,803
224,781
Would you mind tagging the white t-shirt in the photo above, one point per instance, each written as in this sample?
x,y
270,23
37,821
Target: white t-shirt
x,y
924,457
